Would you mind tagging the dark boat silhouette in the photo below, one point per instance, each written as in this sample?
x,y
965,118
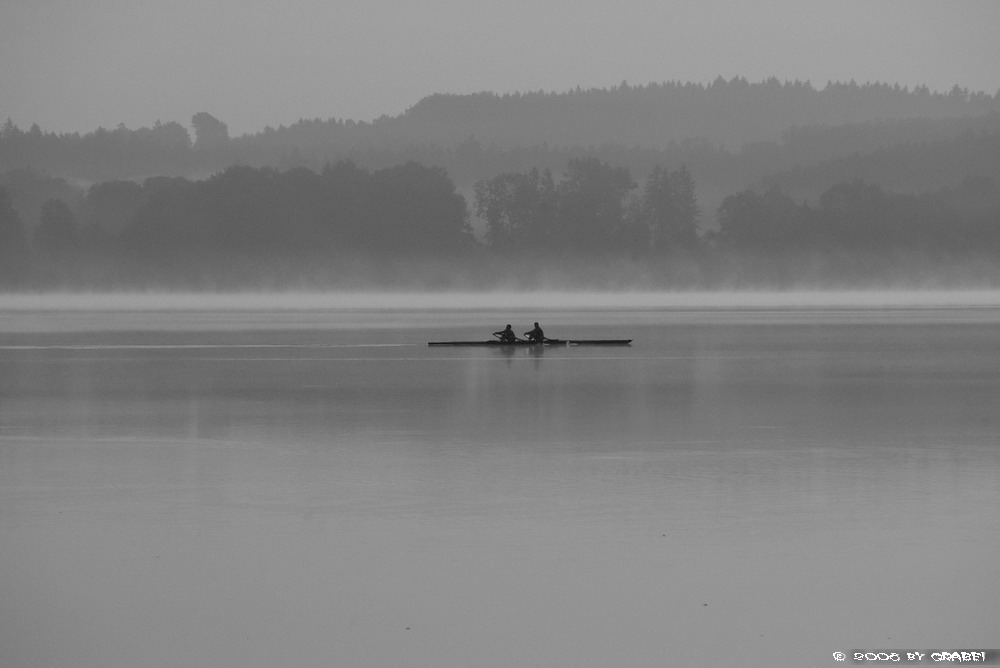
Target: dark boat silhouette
x,y
545,342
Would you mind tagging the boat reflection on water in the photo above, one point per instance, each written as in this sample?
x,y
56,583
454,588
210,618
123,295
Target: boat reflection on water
x,y
536,344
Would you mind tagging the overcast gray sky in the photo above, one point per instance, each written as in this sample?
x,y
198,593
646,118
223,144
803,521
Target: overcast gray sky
x,y
74,65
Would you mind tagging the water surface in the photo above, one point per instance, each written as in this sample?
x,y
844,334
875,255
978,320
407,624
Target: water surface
x,y
315,486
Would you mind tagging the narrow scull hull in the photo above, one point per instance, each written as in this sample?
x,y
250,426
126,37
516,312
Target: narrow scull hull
x,y
546,342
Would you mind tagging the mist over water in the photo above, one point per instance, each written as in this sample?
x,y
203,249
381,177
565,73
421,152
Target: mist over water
x,y
224,438
297,479
499,299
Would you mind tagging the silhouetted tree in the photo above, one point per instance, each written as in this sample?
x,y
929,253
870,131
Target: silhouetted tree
x,y
592,204
519,209
209,131
57,234
170,223
171,136
29,189
771,222
262,213
854,215
110,205
669,209
345,194
13,248
244,208
743,221
417,210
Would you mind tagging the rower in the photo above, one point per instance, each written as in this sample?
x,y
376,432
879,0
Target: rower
x,y
536,335
506,335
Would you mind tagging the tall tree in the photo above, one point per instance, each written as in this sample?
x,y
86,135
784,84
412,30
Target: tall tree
x,y
518,208
57,234
209,131
592,203
670,209
418,211
13,248
111,205
768,222
855,214
743,221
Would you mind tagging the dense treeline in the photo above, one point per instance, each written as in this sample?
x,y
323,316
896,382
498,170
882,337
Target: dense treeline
x,y
595,209
860,234
861,217
731,113
241,223
477,136
409,209
908,156
249,226
165,148
913,166
677,184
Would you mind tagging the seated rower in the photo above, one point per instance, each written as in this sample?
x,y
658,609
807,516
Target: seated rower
x,y
536,334
507,335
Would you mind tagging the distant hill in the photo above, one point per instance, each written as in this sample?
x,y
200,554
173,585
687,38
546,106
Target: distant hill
x,y
730,113
767,182
914,157
730,134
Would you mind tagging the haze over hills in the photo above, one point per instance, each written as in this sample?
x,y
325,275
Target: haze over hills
x,y
730,133
717,139
727,113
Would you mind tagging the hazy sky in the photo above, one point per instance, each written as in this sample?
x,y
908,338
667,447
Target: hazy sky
x,y
74,65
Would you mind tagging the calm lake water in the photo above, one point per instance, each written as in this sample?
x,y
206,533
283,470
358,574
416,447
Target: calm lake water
x,y
312,485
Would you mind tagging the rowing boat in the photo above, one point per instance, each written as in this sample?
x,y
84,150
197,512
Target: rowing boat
x,y
546,342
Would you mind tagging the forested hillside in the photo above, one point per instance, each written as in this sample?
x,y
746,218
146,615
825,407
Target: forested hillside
x,y
656,117
909,166
729,113
684,183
